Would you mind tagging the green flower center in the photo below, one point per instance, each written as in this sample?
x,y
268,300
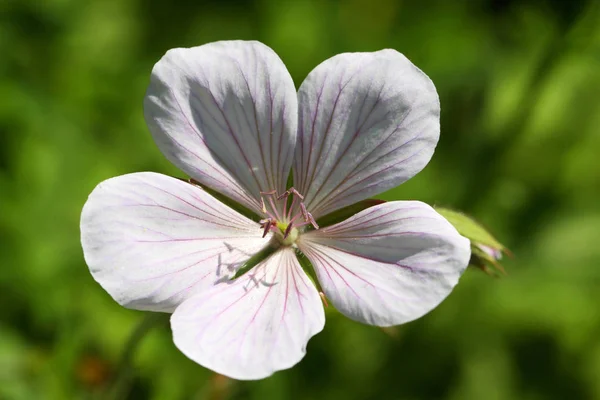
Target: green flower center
x,y
285,215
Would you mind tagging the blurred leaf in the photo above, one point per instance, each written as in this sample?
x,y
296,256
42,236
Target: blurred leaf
x,y
486,251
469,228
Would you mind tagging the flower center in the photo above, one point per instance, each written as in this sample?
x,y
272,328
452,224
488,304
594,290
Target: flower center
x,y
286,215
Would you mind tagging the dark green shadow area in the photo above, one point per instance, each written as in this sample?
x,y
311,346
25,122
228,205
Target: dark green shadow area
x,y
518,84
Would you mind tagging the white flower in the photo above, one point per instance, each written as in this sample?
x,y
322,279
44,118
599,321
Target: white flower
x,y
227,114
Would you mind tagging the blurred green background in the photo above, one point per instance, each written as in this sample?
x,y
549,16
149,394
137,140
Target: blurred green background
x,y
519,83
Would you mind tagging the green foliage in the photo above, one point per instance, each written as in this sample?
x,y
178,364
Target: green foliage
x,y
486,251
518,82
469,228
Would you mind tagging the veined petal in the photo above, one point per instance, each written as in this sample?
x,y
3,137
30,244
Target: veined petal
x,y
152,241
367,123
389,264
226,114
253,326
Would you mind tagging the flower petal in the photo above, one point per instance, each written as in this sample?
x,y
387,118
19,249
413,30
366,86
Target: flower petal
x,y
367,123
226,114
253,326
152,241
388,264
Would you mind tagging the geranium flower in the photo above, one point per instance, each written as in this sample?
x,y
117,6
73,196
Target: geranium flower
x,y
228,115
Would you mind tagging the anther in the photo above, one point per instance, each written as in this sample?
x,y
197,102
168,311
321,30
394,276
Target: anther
x,y
285,225
288,230
267,227
304,212
284,194
291,190
312,221
294,191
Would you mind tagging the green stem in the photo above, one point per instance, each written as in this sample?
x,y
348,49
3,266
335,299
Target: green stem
x,y
122,382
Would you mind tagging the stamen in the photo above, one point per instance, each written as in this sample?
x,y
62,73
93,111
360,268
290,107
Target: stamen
x,y
267,227
291,190
284,195
287,230
295,215
312,221
274,208
289,215
271,194
264,204
304,212
294,191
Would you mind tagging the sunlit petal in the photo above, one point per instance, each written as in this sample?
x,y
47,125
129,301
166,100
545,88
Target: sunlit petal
x,y
152,241
226,114
368,122
388,264
253,326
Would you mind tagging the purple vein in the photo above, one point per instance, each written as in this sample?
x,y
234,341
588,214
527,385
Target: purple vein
x,y
304,181
287,288
341,88
359,164
217,216
363,189
389,222
235,139
298,294
258,133
359,220
235,184
281,168
328,266
350,143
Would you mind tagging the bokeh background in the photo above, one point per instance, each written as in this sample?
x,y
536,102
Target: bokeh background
x,y
519,83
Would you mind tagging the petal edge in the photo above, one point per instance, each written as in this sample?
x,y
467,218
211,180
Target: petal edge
x,y
254,326
389,264
226,114
367,123
151,241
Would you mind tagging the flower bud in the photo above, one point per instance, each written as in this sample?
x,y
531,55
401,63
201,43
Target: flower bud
x,y
486,251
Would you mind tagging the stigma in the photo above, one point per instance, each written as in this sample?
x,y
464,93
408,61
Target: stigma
x,y
286,216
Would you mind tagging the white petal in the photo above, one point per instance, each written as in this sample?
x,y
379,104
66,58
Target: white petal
x,y
368,122
152,241
226,114
388,264
254,326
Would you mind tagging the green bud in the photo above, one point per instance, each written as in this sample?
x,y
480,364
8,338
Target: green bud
x,y
486,251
